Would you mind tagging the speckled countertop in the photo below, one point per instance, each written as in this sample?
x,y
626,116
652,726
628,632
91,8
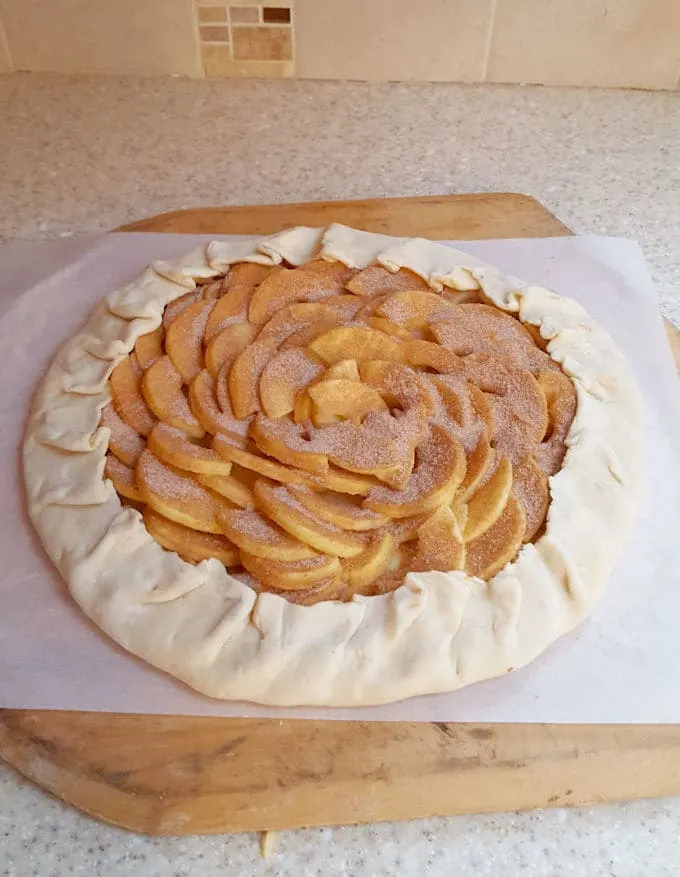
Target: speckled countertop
x,y
83,153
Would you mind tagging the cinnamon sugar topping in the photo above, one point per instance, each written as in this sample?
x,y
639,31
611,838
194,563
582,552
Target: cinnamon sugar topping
x,y
365,431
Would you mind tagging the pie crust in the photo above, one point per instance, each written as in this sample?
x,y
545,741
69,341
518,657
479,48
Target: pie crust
x,y
437,631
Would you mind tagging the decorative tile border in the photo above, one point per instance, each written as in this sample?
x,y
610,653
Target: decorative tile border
x,y
246,39
244,14
276,14
212,14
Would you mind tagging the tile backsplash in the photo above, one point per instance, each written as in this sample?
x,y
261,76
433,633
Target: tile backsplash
x,y
245,39
607,43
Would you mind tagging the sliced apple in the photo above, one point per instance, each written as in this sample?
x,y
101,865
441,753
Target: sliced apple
x,y
127,396
244,377
461,297
498,324
400,386
406,529
211,290
330,588
304,336
460,513
227,345
343,482
414,309
190,544
371,448
438,471
382,446
287,442
230,450
249,274
360,571
255,534
172,446
427,354
291,575
515,395
124,442
286,373
229,486
376,279
339,398
530,487
285,287
174,308
369,308
488,554
389,581
356,342
231,309
454,394
339,510
487,504
162,389
335,270
178,497
327,590
561,403
478,464
440,544
389,328
345,368
295,317
303,409
149,347
123,477
282,507
482,328
482,407
184,339
345,306
206,410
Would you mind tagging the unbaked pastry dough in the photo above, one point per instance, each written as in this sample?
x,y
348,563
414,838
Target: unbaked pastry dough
x,y
439,630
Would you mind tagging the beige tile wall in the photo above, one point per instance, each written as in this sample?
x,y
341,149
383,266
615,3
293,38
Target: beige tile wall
x,y
559,42
6,65
102,36
584,42
393,39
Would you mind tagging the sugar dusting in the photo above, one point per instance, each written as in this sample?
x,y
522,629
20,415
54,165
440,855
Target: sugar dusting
x,y
376,280
283,496
175,308
170,484
255,525
125,443
434,458
294,368
127,397
530,486
411,445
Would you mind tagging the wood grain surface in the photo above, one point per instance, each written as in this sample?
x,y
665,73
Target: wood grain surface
x,y
184,775
438,217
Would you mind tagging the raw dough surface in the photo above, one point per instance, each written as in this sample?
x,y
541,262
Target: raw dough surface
x,y
438,631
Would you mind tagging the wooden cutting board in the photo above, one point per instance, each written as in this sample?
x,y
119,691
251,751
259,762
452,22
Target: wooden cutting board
x,y
182,775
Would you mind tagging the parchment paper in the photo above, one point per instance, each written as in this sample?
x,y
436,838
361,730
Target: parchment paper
x,y
622,665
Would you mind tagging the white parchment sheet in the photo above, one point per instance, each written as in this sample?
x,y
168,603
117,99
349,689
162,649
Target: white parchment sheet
x,y
622,665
